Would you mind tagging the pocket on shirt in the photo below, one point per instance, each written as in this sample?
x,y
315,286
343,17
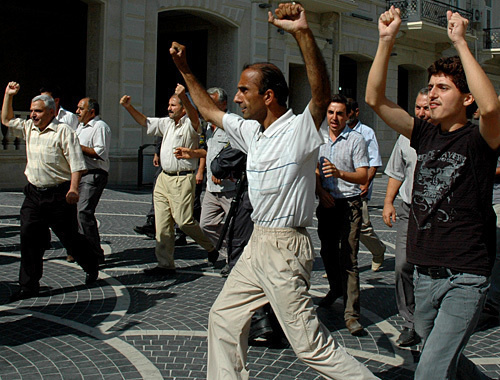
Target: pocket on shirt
x,y
51,155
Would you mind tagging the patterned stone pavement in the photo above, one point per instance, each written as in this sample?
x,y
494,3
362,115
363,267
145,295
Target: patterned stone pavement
x,y
128,326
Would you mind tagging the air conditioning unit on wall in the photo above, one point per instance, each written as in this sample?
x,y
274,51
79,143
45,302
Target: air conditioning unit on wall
x,y
477,15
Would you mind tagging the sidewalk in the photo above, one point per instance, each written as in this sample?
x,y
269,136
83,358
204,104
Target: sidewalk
x,y
129,326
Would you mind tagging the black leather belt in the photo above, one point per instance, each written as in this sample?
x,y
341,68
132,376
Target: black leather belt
x,y
183,172
436,272
51,188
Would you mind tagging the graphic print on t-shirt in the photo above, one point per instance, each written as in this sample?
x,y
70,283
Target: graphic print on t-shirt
x,y
436,178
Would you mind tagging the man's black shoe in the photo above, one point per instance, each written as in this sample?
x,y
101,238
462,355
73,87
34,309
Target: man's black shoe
x,y
147,229
329,299
91,277
354,327
157,271
225,271
408,338
213,256
180,241
23,294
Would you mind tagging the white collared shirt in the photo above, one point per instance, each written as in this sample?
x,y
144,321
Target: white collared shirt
x,y
96,134
280,166
52,154
181,135
66,117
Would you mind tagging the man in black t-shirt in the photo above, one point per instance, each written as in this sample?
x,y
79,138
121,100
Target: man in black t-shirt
x,y
451,224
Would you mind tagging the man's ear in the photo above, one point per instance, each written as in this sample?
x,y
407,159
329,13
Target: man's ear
x,y
268,96
468,100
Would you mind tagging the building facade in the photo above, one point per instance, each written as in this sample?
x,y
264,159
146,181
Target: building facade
x,y
107,48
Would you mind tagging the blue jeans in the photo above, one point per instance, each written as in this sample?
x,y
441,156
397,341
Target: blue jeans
x,y
446,314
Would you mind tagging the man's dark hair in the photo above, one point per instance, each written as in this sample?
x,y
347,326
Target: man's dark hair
x,y
353,104
54,90
452,66
271,78
93,105
338,98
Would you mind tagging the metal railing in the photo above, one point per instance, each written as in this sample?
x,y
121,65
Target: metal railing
x,y
427,10
8,141
491,38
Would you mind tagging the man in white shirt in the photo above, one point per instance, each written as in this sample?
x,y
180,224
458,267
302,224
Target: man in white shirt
x,y
54,167
62,115
175,186
368,236
95,140
276,264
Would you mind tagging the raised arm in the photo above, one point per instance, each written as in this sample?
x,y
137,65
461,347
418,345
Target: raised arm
x,y
291,17
479,85
139,117
191,112
7,110
393,115
203,101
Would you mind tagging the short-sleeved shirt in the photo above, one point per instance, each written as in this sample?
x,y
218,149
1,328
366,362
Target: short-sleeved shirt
x,y
452,223
347,153
401,166
52,154
280,166
66,117
374,157
96,134
174,136
216,141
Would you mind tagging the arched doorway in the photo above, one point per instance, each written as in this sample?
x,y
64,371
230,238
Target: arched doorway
x,y
44,42
210,50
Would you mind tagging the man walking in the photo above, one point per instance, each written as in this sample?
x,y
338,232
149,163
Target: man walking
x,y
95,140
276,264
343,167
54,167
400,169
451,229
367,235
175,186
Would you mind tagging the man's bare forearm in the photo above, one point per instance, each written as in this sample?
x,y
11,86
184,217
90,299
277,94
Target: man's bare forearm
x,y
7,110
317,74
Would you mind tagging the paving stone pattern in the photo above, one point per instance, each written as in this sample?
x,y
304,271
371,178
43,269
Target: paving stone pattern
x,y
129,326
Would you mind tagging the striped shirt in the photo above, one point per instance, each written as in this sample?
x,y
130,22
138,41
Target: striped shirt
x,y
174,136
348,152
52,154
280,166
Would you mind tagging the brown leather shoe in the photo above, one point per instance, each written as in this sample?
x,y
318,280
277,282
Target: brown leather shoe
x,y
354,327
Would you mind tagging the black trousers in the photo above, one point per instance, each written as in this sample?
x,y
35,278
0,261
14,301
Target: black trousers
x,y
41,210
338,229
240,230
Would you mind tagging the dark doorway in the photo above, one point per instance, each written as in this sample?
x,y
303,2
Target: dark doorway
x,y
190,31
348,77
44,42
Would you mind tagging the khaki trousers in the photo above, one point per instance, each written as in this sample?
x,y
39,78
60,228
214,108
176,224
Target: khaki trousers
x,y
174,202
276,267
368,236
